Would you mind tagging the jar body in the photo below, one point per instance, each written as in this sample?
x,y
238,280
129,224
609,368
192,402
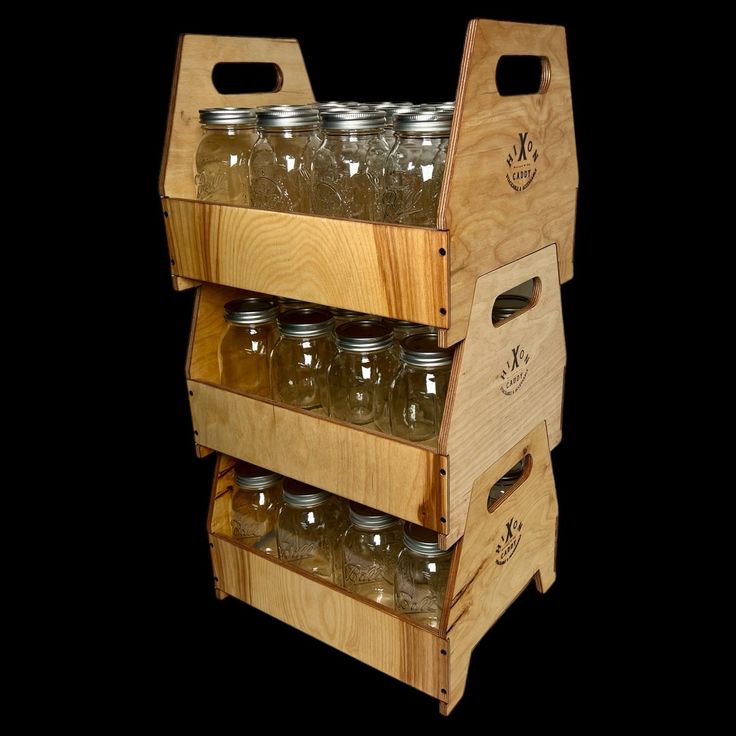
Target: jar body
x,y
244,357
347,172
369,561
310,538
417,400
278,165
254,514
299,370
420,584
413,178
359,385
221,164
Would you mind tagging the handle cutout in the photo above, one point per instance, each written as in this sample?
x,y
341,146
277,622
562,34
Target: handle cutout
x,y
246,77
509,482
522,75
516,301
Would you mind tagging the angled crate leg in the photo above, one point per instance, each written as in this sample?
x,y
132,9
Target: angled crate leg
x,y
501,552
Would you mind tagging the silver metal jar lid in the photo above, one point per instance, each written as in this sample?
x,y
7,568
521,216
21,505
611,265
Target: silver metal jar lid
x,y
437,122
399,324
306,322
336,103
391,113
253,478
512,475
388,105
509,304
367,518
353,119
422,350
421,540
287,116
302,495
250,311
346,313
364,336
227,116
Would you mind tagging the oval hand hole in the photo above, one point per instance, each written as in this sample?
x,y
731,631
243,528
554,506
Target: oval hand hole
x,y
509,482
242,78
514,302
522,75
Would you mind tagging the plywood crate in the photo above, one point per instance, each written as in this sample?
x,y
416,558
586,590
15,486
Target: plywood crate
x,y
505,380
486,219
503,549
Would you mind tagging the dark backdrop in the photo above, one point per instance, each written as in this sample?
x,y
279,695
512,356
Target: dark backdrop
x,y
198,656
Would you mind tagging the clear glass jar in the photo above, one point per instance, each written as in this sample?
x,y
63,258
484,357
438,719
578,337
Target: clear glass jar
x,y
505,482
421,576
348,167
417,395
281,159
361,373
245,347
414,169
392,109
301,357
507,305
221,161
403,328
310,528
254,506
346,315
370,548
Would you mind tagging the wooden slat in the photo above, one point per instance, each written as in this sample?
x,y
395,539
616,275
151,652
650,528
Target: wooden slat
x,y
492,568
486,412
490,223
381,269
193,90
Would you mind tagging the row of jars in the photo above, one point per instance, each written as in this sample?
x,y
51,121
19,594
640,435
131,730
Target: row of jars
x,y
368,552
374,161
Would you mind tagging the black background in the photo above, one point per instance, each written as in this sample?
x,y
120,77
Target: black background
x,y
199,656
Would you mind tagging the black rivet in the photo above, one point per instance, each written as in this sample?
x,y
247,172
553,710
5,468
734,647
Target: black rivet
x,y
443,691
443,252
216,579
191,393
443,311
443,471
195,432
443,651
173,262
166,214
212,546
443,520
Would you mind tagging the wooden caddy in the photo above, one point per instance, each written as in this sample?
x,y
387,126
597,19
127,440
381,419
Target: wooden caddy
x,y
506,387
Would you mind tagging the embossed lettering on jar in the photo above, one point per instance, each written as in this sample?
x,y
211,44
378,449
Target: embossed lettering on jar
x,y
348,167
254,506
221,161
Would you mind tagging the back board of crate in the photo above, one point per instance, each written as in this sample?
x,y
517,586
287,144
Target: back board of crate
x,y
509,189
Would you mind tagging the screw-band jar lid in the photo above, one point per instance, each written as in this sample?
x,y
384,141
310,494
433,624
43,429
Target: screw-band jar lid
x,y
509,304
346,313
422,350
306,322
364,336
352,119
227,116
287,116
421,540
511,475
437,122
367,518
250,311
303,495
253,477
402,324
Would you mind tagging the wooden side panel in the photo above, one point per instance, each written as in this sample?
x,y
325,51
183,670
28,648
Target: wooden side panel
x,y
381,269
193,90
495,217
501,552
509,378
377,637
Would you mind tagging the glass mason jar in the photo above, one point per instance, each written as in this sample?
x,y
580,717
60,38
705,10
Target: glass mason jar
x,y
402,328
507,305
301,357
346,315
254,506
221,161
348,167
245,348
505,482
310,528
417,395
413,178
421,576
361,373
392,109
281,158
370,548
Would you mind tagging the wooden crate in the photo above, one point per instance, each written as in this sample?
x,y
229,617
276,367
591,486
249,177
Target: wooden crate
x,y
502,551
427,275
505,380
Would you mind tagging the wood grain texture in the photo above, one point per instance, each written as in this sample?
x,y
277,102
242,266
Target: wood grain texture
x,y
193,90
494,568
493,402
491,223
381,269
